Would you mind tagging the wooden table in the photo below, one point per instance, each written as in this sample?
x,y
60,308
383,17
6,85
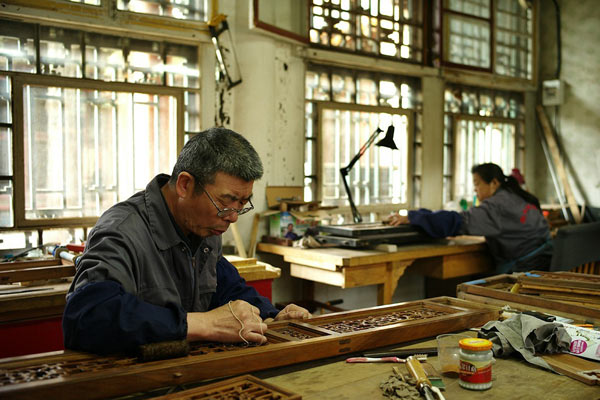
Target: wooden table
x,y
512,378
347,268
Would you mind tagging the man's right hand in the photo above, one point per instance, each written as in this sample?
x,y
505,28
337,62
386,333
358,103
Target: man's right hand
x,y
397,219
221,325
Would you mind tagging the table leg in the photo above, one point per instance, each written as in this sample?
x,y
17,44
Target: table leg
x,y
394,270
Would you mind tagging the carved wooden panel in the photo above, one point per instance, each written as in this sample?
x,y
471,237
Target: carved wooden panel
x,y
241,387
72,375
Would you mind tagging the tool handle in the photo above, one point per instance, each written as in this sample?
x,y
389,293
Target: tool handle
x,y
414,367
372,359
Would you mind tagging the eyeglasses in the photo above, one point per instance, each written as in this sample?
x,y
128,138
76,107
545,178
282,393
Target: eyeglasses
x,y
226,212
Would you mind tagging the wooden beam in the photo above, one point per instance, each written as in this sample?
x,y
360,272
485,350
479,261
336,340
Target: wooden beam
x,y
560,168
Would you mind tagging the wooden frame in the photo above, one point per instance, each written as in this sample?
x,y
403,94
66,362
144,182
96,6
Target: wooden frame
x,y
496,291
71,375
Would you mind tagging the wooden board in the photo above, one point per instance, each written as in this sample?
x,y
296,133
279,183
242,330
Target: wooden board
x,y
498,287
241,387
72,375
583,370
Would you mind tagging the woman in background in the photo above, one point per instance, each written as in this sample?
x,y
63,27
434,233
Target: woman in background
x,y
509,217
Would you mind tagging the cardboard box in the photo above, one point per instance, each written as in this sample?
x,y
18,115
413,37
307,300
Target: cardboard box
x,y
584,342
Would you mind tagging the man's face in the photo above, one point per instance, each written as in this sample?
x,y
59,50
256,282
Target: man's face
x,y
198,215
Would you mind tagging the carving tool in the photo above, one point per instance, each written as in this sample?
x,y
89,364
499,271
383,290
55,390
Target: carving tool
x,y
402,352
422,382
419,357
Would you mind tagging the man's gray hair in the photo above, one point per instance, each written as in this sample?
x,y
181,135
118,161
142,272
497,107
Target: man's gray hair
x,y
218,150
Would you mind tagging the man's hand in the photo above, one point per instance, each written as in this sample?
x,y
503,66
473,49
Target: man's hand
x,y
292,311
223,324
397,219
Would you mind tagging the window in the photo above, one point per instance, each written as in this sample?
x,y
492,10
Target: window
x,y
186,9
481,125
392,28
494,36
343,108
80,145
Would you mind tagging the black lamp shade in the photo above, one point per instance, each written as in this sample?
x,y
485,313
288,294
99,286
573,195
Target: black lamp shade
x,y
388,140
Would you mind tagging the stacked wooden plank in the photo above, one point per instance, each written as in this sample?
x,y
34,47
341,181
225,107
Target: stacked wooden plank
x,y
567,287
253,270
571,295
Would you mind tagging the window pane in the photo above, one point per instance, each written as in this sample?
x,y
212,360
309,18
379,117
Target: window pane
x,y
182,66
6,204
186,9
468,41
5,100
5,151
17,48
91,2
60,52
87,149
104,57
144,62
380,175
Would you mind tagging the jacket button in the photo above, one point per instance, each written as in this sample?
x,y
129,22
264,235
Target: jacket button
x,y
206,250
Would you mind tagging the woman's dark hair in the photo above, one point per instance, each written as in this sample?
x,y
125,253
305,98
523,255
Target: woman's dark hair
x,y
489,171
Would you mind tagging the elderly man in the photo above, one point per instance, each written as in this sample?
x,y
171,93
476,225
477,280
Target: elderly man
x,y
153,268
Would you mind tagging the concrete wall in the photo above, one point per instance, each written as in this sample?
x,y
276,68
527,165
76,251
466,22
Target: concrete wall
x,y
577,121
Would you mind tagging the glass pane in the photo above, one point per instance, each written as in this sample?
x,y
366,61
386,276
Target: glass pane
x,y
478,8
104,57
87,149
144,63
6,205
380,175
5,100
5,151
60,52
189,9
468,41
182,66
17,48
192,112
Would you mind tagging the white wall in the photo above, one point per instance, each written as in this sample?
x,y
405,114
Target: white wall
x,y
578,119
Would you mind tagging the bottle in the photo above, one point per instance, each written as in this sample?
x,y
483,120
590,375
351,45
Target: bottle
x,y
475,363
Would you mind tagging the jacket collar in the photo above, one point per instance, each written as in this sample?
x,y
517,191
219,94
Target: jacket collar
x,y
162,224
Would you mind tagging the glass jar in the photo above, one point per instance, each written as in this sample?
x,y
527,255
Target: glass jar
x,y
475,363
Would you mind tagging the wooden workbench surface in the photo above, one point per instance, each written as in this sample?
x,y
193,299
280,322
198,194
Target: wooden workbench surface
x,y
350,257
512,379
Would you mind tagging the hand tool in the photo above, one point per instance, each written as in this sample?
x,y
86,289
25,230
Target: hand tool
x,y
402,352
418,357
422,382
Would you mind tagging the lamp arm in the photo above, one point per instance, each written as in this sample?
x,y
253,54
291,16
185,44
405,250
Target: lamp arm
x,y
355,214
345,170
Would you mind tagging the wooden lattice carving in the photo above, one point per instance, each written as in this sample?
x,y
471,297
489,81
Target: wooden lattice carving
x,y
71,375
242,387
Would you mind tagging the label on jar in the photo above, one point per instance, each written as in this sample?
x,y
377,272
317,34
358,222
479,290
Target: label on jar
x,y
476,371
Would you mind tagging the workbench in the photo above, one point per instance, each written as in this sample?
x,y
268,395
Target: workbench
x,y
347,268
511,379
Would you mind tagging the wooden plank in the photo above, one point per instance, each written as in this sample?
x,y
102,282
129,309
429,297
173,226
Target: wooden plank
x,y
38,273
239,242
80,375
583,370
454,265
16,265
560,168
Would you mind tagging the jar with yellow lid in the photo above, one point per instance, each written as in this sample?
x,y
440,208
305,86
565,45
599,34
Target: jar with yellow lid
x,y
475,363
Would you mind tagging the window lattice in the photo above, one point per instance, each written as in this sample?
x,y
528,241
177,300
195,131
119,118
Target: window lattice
x,y
392,28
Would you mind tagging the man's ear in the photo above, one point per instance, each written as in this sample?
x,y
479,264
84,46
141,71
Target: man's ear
x,y
495,183
185,185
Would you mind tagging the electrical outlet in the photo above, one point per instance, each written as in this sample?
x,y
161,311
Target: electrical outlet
x,y
552,92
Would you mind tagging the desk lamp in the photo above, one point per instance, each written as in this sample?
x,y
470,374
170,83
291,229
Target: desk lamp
x,y
387,141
